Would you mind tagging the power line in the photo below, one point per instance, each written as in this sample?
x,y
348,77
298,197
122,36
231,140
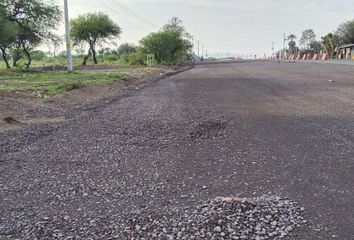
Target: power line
x,y
119,13
120,5
143,5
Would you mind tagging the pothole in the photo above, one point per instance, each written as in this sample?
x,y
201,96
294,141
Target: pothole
x,y
209,130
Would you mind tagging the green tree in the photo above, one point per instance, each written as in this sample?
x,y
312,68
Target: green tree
x,y
104,51
175,25
137,58
345,32
9,31
16,55
292,44
169,45
38,55
330,43
308,36
291,37
35,20
316,46
125,50
93,29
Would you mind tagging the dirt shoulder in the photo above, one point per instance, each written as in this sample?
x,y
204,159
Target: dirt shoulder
x,y
19,109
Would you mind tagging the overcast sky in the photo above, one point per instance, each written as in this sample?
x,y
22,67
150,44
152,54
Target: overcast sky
x,y
235,26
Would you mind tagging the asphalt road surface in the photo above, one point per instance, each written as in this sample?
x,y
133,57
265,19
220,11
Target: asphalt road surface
x,y
236,129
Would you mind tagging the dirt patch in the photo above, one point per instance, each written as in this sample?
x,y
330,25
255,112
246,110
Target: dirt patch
x,y
27,108
22,107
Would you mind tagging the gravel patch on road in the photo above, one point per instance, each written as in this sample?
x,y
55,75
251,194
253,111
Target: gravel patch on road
x,y
158,152
266,217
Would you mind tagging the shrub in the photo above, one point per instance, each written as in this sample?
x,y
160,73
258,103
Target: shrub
x,y
69,86
137,58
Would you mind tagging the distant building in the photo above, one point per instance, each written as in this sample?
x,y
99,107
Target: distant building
x,y
346,52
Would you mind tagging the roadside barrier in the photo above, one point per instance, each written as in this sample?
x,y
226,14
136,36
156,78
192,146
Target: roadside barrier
x,y
306,56
324,57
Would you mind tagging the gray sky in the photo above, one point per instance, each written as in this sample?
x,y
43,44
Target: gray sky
x,y
235,26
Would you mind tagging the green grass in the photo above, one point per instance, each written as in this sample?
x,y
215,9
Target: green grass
x,y
52,83
61,61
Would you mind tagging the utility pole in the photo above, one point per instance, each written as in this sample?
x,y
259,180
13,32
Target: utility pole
x,y
198,49
192,53
273,54
283,52
67,36
202,50
192,42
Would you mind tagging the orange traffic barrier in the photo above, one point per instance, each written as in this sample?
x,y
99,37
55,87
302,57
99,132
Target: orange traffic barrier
x,y
315,57
298,57
324,57
304,57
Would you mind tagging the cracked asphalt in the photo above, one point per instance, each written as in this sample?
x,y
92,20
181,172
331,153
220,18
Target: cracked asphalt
x,y
231,129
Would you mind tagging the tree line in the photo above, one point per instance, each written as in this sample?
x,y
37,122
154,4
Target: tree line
x,y
28,24
169,45
329,43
